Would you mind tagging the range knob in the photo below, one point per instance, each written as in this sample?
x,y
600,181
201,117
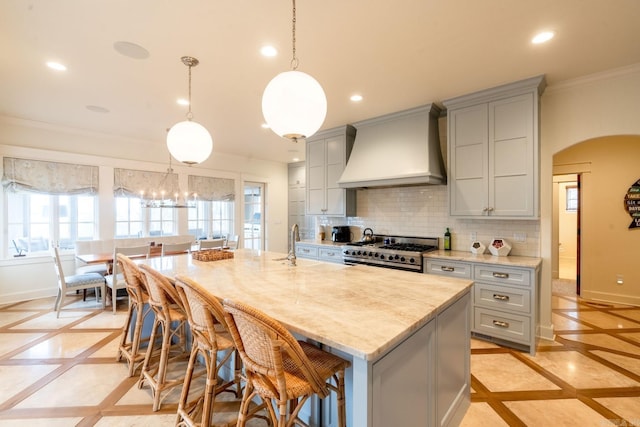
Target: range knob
x,y
359,252
412,261
396,257
402,259
381,256
376,255
370,253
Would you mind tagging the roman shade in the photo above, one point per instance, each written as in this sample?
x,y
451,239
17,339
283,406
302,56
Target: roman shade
x,y
212,189
144,184
48,177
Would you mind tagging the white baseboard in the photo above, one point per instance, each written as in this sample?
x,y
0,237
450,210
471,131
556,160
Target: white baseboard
x,y
27,295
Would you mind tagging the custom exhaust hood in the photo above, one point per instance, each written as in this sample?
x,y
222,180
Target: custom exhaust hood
x,y
396,149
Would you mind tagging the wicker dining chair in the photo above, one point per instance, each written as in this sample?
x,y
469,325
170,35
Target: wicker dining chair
x,y
171,318
280,369
213,343
138,304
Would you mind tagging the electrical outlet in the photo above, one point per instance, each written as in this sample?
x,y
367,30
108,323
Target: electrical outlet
x,y
619,279
520,237
474,236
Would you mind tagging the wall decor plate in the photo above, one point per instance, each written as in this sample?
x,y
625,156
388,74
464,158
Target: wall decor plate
x,y
499,247
477,247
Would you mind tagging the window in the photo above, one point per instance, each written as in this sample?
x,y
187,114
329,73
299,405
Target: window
x,y
212,219
133,220
35,222
572,198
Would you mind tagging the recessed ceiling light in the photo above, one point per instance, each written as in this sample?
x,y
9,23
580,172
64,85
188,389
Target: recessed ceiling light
x,y
296,159
131,50
268,51
265,126
182,101
97,109
356,98
56,66
542,37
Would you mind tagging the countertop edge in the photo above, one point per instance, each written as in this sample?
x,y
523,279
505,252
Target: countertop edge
x,y
463,256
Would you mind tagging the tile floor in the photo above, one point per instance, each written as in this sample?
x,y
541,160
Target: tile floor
x,y
62,372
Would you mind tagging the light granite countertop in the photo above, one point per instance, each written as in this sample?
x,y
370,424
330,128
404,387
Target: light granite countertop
x,y
361,310
322,242
508,261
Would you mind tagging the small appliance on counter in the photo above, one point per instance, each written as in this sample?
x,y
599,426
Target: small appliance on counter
x,y
340,234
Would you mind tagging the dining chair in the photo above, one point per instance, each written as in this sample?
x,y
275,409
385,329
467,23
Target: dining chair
x,y
75,282
232,241
212,343
280,369
171,319
176,248
209,244
131,337
116,279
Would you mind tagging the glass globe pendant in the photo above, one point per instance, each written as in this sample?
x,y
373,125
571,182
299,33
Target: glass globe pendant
x,y
293,103
189,142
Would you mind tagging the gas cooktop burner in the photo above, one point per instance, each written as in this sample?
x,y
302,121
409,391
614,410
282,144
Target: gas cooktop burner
x,y
404,253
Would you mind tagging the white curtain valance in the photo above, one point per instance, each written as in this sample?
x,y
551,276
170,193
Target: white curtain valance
x,y
144,184
49,177
212,189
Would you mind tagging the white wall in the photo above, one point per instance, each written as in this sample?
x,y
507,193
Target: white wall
x,y
25,279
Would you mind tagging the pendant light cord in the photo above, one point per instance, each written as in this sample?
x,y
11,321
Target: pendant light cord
x,y
189,114
294,61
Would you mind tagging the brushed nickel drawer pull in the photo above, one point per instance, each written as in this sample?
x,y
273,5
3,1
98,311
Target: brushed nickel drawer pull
x,y
501,324
445,268
501,275
330,254
501,297
306,251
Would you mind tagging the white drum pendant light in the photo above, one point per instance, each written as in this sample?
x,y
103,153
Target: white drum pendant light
x,y
189,142
293,103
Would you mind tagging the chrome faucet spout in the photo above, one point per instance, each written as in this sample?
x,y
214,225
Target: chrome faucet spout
x,y
295,236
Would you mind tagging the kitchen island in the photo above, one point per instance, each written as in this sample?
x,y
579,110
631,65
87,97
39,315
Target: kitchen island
x,y
406,334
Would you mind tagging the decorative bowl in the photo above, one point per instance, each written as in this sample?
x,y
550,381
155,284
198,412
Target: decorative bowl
x,y
477,247
499,247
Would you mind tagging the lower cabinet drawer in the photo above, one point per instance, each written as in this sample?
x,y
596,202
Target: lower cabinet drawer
x,y
330,254
502,325
502,297
449,268
307,251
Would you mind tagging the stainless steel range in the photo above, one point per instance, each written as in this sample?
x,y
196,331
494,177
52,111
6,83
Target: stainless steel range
x,y
402,253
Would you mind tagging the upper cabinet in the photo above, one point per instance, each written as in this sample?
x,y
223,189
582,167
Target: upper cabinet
x,y
327,154
493,151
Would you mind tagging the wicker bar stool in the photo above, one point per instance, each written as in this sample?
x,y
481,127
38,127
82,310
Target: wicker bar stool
x,y
138,298
211,339
170,316
280,369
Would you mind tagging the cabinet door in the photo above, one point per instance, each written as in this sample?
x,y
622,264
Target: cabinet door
x,y
468,161
512,157
335,150
316,179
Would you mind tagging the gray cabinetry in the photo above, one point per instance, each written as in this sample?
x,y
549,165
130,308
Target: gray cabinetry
x,y
504,303
319,251
327,154
493,146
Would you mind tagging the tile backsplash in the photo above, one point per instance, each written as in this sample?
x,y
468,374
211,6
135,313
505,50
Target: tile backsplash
x,y
422,211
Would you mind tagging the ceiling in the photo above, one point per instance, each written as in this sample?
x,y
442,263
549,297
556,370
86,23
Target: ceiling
x,y
397,54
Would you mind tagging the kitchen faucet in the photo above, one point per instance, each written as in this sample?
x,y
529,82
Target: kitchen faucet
x,y
295,236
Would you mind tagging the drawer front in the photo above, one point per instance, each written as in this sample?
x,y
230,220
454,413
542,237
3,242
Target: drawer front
x,y
305,251
502,297
498,324
330,254
442,267
502,275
